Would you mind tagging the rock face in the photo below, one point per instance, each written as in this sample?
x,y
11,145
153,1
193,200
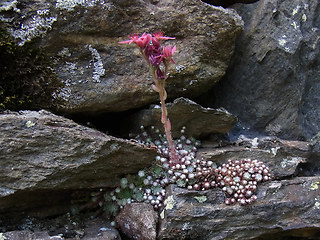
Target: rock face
x,y
100,75
199,121
273,83
284,208
41,151
288,206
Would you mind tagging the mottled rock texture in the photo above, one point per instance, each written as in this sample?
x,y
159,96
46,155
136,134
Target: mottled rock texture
x,y
138,221
287,207
272,84
28,235
100,75
199,121
64,227
40,151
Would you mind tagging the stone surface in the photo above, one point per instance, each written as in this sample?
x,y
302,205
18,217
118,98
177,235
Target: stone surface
x,y
283,157
199,121
138,221
272,84
283,207
96,229
100,75
312,167
93,229
28,235
286,207
42,153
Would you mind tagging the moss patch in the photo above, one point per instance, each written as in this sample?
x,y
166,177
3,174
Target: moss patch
x,y
27,79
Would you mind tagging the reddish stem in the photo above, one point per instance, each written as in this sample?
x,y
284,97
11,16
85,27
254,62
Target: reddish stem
x,y
165,120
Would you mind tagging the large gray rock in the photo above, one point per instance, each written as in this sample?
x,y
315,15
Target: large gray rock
x,y
100,75
287,208
41,151
199,121
273,83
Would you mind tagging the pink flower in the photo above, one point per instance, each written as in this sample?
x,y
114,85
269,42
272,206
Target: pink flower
x,y
142,42
159,36
133,38
167,52
153,52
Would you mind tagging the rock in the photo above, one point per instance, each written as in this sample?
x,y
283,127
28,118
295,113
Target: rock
x,y
98,230
28,235
287,206
69,227
272,84
138,221
199,121
100,75
283,208
283,157
106,234
312,167
41,153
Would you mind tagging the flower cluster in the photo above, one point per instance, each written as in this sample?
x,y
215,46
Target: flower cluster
x,y
157,56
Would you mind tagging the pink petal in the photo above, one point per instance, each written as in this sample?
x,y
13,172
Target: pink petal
x,y
124,42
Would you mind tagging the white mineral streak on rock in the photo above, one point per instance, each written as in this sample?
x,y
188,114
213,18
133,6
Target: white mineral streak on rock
x,y
37,26
69,5
98,69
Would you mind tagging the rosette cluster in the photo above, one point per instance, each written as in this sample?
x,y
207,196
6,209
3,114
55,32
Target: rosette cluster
x,y
239,179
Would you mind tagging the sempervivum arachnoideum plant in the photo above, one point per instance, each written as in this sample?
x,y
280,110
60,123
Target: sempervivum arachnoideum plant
x,y
239,179
176,161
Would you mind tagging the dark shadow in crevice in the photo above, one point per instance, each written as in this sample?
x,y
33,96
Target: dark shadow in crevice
x,y
38,210
294,234
309,169
111,123
227,3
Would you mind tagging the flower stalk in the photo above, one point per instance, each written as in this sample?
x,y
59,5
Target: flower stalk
x,y
159,59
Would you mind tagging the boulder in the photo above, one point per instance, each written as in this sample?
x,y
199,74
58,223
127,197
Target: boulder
x,y
199,121
100,75
138,221
41,153
272,84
